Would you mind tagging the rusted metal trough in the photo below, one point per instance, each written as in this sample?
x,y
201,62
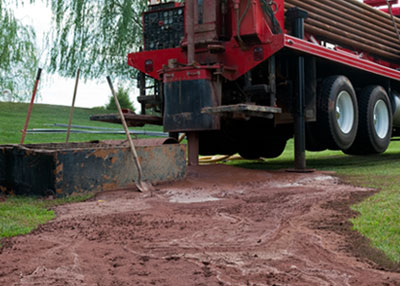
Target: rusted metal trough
x,y
61,169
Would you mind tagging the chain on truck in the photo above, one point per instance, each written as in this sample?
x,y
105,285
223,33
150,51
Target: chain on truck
x,y
244,76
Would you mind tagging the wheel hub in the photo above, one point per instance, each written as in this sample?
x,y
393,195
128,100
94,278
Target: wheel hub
x,y
381,119
344,112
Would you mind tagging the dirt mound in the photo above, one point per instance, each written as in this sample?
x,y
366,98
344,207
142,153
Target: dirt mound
x,y
220,226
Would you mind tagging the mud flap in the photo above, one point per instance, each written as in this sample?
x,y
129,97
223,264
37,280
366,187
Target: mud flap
x,y
184,99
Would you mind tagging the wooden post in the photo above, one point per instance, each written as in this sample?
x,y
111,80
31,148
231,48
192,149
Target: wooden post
x,y
28,115
193,148
71,113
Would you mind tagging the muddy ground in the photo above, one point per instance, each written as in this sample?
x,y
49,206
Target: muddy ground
x,y
221,226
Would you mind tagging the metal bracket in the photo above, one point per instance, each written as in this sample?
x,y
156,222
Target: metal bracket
x,y
246,109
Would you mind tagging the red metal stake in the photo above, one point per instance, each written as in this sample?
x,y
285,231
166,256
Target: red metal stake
x,y
28,115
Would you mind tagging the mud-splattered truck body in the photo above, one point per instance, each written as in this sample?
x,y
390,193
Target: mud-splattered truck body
x,y
244,76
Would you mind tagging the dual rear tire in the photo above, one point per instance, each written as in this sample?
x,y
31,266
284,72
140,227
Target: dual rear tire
x,y
375,122
337,116
354,124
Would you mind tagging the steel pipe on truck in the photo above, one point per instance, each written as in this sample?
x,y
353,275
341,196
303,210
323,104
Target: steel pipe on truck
x,y
359,12
342,11
351,27
373,10
349,42
346,27
341,14
352,36
323,13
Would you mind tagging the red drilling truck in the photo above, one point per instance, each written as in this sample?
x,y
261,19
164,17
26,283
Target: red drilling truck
x,y
244,76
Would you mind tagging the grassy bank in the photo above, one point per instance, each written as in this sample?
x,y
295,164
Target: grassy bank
x,y
12,120
20,215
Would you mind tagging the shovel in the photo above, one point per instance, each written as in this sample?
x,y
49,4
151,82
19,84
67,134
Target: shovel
x,y
142,186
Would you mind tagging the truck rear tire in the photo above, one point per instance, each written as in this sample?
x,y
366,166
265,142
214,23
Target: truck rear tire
x,y
263,148
337,113
313,142
249,154
375,125
274,149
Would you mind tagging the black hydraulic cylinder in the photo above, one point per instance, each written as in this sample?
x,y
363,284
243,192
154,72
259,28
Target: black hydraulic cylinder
x,y
299,136
142,89
297,16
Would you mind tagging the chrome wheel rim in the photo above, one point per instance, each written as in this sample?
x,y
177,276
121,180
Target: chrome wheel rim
x,y
344,112
381,119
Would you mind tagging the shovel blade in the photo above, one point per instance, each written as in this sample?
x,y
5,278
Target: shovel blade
x,y
145,187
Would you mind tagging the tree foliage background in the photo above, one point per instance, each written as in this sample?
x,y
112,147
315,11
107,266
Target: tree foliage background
x,y
123,99
94,35
18,54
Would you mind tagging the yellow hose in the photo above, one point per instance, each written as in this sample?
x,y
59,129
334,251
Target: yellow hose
x,y
214,158
181,137
218,158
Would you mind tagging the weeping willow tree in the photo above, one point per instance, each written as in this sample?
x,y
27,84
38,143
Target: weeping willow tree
x,y
95,36
18,56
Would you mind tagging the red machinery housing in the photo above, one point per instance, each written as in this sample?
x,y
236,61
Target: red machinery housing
x,y
246,75
378,3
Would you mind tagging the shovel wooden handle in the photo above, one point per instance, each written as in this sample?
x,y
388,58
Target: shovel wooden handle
x,y
133,149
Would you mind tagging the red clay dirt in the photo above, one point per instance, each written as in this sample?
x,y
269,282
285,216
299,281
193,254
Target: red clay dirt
x,y
221,226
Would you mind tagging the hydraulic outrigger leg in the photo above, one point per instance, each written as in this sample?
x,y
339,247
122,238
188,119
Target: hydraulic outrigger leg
x,y
298,16
192,137
193,148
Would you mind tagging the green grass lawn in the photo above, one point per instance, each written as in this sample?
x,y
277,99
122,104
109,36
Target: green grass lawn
x,y
380,214
12,120
20,215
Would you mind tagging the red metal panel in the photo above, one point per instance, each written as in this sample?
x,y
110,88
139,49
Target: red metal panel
x,y
243,60
279,11
254,26
186,74
377,3
236,60
340,57
159,58
395,10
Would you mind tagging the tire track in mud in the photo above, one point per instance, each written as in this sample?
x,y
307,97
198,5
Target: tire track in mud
x,y
221,226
